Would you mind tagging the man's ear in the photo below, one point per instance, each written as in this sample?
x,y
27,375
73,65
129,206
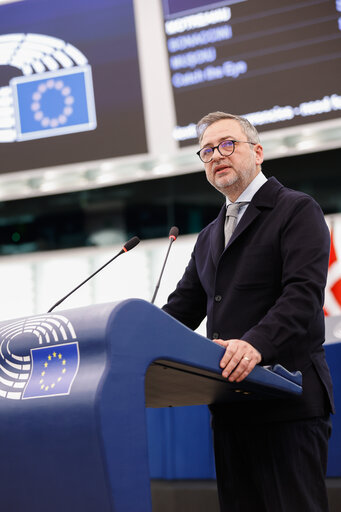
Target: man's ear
x,y
259,154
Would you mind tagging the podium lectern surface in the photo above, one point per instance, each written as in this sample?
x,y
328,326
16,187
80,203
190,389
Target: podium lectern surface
x,y
73,390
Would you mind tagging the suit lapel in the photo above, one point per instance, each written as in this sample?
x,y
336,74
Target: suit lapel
x,y
249,216
265,197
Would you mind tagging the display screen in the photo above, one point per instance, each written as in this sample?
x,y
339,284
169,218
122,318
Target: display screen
x,y
278,63
69,83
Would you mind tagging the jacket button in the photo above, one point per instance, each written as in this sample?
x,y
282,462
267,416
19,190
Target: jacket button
x,y
215,335
218,298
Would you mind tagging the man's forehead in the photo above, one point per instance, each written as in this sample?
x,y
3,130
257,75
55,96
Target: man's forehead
x,y
224,128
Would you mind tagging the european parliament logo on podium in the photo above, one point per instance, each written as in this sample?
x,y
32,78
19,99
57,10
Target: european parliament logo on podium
x,y
39,357
54,103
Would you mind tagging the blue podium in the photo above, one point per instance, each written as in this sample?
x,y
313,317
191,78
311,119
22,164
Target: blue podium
x,y
74,386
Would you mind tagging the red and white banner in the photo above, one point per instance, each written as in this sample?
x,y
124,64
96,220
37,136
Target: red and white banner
x,y
332,304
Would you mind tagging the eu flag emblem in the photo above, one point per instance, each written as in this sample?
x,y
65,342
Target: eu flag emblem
x,y
53,370
54,103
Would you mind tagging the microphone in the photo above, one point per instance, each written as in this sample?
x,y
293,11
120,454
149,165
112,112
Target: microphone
x,y
173,235
127,247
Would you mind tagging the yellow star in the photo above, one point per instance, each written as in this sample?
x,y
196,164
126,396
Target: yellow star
x,y
41,381
64,362
60,356
49,358
43,373
59,379
46,365
52,385
46,388
42,386
54,354
63,370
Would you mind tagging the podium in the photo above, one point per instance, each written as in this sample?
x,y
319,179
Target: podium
x,y
74,386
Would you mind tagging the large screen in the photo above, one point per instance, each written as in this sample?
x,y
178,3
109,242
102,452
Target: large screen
x,y
69,83
278,63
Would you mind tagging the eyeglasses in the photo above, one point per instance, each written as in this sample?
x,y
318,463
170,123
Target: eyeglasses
x,y
225,148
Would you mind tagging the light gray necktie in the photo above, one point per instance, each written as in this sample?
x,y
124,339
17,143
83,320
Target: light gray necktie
x,y
231,219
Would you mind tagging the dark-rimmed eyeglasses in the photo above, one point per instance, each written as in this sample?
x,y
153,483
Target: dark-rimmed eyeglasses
x,y
225,148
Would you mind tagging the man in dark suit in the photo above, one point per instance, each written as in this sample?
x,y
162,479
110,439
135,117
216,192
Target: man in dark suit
x,y
261,286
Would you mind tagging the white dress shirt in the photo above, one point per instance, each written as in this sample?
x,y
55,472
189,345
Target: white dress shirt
x,y
248,193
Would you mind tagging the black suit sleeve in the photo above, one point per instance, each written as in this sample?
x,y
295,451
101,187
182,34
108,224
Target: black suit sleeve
x,y
188,302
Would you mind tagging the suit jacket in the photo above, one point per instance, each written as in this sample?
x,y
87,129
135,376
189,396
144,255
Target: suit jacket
x,y
266,287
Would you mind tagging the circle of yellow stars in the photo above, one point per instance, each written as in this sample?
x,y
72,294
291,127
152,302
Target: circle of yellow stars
x,y
51,357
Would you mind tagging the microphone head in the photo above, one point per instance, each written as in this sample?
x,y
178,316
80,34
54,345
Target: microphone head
x,y
173,233
131,243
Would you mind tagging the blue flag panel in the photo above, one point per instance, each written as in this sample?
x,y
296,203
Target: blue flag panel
x,y
53,370
54,103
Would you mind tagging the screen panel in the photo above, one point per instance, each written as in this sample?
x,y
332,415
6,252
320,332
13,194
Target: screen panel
x,y
49,114
277,63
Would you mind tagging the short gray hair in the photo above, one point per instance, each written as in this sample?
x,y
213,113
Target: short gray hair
x,y
247,128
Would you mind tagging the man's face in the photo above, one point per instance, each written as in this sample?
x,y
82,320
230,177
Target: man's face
x,y
231,174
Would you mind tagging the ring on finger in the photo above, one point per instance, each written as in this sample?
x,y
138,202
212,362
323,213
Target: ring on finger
x,y
246,358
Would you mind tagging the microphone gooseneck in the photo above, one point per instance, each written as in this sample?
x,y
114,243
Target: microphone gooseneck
x,y
127,247
173,235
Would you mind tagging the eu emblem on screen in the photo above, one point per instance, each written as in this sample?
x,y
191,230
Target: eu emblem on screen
x,y
53,370
54,103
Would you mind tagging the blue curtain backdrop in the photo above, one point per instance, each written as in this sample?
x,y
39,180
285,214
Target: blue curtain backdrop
x,y
180,443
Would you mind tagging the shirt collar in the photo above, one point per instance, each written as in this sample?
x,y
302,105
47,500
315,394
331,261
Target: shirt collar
x,y
251,189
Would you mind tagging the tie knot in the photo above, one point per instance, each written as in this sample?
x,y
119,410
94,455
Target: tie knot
x,y
232,209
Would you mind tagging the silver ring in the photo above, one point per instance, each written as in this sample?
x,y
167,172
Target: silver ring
x,y
247,358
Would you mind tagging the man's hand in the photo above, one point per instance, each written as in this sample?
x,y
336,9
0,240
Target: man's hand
x,y
239,359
